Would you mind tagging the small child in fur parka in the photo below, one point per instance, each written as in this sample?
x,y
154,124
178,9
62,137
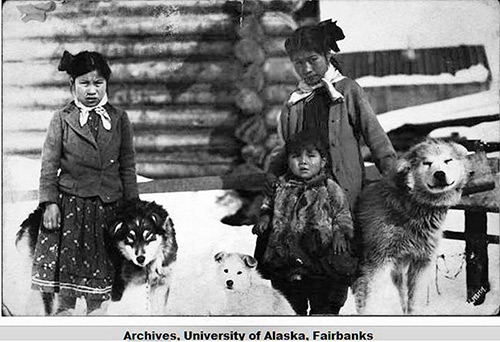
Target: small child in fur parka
x,y
304,232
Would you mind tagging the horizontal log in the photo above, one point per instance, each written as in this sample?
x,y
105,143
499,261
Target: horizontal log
x,y
144,118
115,49
142,8
208,117
128,95
32,142
205,156
98,25
161,71
202,183
194,139
174,170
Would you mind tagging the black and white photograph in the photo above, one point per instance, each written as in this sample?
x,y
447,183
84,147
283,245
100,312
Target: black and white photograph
x,y
213,158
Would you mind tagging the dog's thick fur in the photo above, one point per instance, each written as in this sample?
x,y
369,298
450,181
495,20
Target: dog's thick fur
x,y
28,233
398,219
145,237
143,249
245,292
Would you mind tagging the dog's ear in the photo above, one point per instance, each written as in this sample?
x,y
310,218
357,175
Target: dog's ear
x,y
116,228
156,218
249,261
168,225
219,256
460,150
401,175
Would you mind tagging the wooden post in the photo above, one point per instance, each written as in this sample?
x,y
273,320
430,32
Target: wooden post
x,y
476,256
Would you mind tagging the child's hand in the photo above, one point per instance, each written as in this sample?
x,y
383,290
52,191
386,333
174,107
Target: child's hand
x,y
51,217
339,243
261,226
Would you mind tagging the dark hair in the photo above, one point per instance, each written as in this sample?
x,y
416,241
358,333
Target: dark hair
x,y
83,63
319,38
308,140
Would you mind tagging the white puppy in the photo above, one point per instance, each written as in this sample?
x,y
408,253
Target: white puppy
x,y
246,292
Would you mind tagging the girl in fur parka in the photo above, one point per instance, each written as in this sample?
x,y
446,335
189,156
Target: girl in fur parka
x,y
308,227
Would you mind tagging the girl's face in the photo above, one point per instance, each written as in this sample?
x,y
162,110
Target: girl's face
x,y
306,164
90,88
311,66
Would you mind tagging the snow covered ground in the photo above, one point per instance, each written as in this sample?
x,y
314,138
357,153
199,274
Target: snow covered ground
x,y
200,236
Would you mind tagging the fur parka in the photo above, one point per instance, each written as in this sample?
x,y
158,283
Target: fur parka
x,y
305,215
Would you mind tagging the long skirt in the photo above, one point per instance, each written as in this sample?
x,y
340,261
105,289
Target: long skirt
x,y
73,260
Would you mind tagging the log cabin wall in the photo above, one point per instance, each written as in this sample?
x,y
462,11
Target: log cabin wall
x,y
189,74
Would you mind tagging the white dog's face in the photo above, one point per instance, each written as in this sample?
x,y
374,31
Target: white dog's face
x,y
234,270
440,169
434,168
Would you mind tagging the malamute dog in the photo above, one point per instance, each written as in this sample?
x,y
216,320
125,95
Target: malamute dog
x,y
143,249
399,218
245,292
144,235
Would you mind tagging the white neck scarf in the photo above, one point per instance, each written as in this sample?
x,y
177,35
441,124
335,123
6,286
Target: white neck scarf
x,y
331,76
99,109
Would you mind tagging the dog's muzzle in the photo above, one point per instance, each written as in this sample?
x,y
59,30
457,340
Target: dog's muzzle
x,y
440,181
140,259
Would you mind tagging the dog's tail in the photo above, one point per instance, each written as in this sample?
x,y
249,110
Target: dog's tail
x,y
30,227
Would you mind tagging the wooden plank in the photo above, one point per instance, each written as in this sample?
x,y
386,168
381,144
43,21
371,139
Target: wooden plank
x,y
452,235
476,256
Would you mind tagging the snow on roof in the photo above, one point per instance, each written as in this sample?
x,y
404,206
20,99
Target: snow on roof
x,y
480,104
476,73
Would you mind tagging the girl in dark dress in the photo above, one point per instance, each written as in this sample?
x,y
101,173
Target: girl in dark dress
x,y
88,168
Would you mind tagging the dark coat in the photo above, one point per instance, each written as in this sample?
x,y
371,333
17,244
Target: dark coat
x,y
349,121
75,163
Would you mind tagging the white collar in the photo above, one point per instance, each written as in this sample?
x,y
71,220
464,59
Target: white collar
x,y
99,109
331,76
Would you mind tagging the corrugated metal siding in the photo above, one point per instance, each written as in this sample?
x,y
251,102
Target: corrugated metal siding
x,y
431,61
